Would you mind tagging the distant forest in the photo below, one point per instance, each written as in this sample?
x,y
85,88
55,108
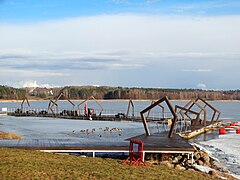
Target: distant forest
x,y
11,93
105,92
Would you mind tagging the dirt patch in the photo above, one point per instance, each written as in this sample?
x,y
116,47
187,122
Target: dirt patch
x,y
5,135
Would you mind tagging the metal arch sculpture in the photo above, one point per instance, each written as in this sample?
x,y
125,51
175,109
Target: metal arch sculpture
x,y
54,103
202,109
214,110
162,107
188,108
195,102
130,104
49,105
22,104
184,109
164,99
190,111
93,98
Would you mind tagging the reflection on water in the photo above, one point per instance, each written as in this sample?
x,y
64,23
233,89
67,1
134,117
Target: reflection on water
x,y
206,136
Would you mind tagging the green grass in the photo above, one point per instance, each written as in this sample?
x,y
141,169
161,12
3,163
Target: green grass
x,y
26,164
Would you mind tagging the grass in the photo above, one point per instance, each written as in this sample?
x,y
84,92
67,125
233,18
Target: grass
x,y
5,135
27,164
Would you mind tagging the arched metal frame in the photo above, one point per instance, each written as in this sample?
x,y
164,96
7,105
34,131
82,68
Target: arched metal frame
x,y
50,107
164,99
162,107
190,111
93,98
130,104
22,104
191,104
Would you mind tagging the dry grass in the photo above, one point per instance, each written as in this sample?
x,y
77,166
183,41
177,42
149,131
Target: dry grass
x,y
5,135
26,164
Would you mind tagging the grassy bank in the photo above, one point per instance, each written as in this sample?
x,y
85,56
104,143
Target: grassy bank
x,y
24,164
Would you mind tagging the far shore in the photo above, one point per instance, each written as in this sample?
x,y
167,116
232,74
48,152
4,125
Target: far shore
x,y
13,100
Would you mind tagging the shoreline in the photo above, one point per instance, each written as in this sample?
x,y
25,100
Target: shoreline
x,y
214,147
220,167
114,100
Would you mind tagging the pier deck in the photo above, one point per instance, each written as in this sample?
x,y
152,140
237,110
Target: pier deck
x,y
103,117
156,143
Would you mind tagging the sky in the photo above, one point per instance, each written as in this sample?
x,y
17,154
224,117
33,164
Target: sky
x,y
128,43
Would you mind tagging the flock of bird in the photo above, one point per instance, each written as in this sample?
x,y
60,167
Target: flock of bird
x,y
104,130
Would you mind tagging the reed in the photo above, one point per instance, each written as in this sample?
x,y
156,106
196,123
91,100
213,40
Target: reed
x,y
5,135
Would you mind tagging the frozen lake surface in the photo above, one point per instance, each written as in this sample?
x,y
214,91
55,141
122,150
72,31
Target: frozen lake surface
x,y
226,149
39,131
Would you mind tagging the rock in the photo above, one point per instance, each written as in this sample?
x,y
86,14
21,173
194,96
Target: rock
x,y
166,157
167,163
207,164
179,157
197,156
190,169
175,160
156,157
213,173
224,169
216,165
201,153
180,167
199,162
205,157
189,161
147,157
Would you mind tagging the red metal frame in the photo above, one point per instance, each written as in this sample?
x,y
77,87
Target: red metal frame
x,y
135,157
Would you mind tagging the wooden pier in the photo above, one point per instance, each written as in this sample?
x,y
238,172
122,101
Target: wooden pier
x,y
155,143
109,117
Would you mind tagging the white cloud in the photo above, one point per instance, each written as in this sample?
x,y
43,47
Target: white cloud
x,y
201,86
134,32
65,50
33,84
197,70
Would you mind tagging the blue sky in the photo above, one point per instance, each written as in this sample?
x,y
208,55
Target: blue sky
x,y
37,10
134,43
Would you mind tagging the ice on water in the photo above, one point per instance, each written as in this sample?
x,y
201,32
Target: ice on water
x,y
227,149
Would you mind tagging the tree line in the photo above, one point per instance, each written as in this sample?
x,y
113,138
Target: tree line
x,y
105,92
7,92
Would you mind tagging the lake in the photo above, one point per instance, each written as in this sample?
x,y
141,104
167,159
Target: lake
x,y
38,131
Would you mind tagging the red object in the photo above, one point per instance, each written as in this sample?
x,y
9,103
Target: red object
x,y
232,124
228,127
135,157
238,131
222,131
236,123
85,110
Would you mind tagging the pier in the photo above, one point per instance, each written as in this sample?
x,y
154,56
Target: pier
x,y
187,121
156,143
